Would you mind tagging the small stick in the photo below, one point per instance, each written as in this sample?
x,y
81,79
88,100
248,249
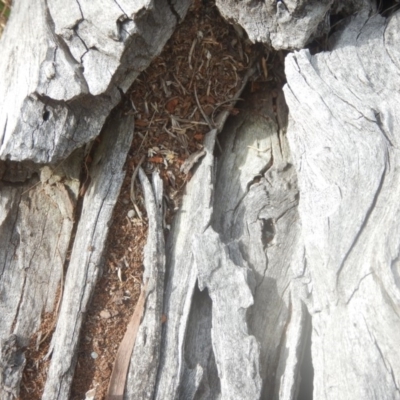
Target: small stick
x,y
50,331
191,53
134,175
169,133
145,136
180,84
202,111
192,160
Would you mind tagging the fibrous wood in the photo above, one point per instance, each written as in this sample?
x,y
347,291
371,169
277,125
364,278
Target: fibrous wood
x,y
63,72
12,363
145,358
193,217
344,135
61,75
269,244
289,24
228,265
36,222
255,212
87,252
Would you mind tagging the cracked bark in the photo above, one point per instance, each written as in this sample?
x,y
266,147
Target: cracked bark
x,y
346,220
269,244
48,116
73,89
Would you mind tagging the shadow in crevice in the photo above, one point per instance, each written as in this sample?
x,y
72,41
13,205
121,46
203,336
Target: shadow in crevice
x,y
387,7
306,367
255,214
199,351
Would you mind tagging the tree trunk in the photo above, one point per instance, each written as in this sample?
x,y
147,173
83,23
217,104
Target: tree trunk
x,y
280,277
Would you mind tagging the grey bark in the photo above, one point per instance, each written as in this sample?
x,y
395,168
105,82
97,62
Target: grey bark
x,y
332,259
79,55
291,231
61,76
12,363
289,24
228,265
344,140
145,357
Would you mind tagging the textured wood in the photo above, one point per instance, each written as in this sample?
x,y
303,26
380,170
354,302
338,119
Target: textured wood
x,y
344,136
145,357
236,352
61,72
193,217
12,363
288,24
36,222
257,257
255,212
61,76
118,377
37,218
86,258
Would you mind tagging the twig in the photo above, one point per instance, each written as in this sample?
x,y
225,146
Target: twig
x,y
192,160
134,175
169,133
188,121
141,144
223,115
202,111
233,100
180,84
259,150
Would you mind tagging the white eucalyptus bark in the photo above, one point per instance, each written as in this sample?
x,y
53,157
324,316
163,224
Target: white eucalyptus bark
x,y
144,364
273,243
86,260
62,67
344,135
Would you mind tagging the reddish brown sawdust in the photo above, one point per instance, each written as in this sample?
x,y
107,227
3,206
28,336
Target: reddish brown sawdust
x,y
204,54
